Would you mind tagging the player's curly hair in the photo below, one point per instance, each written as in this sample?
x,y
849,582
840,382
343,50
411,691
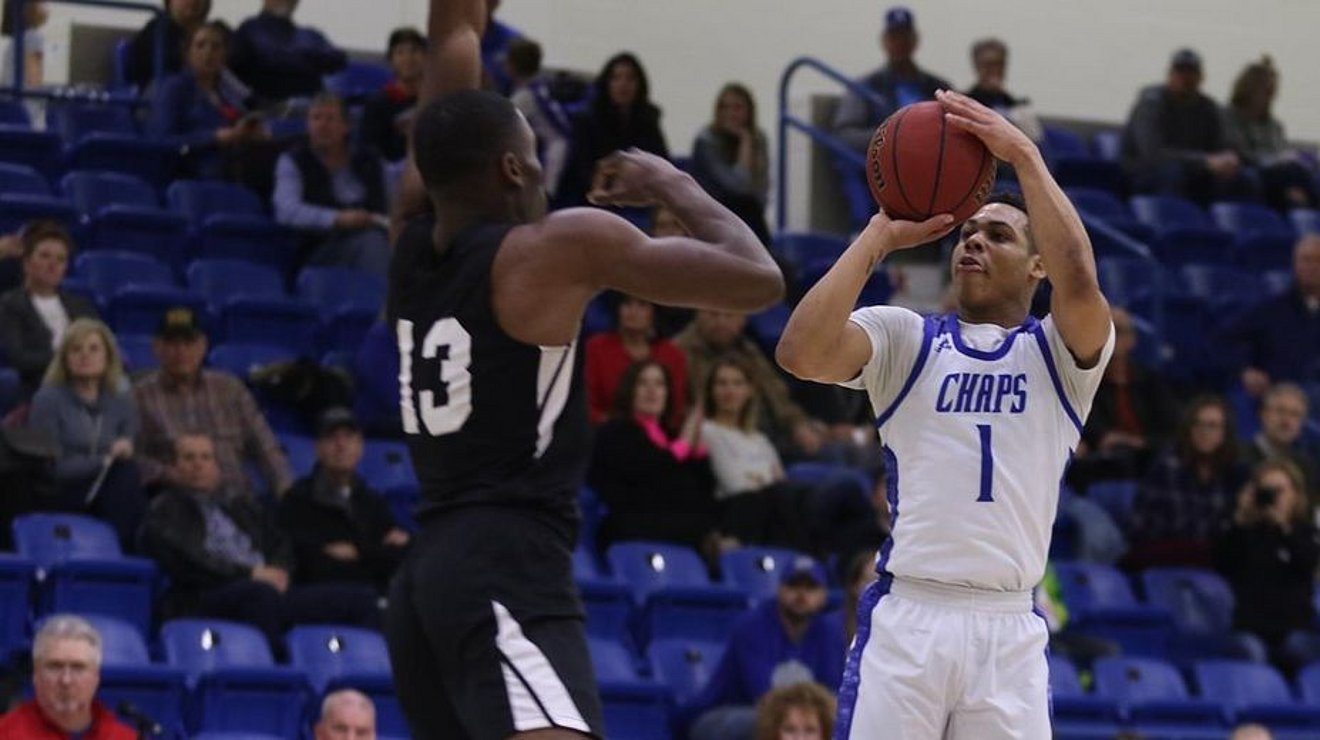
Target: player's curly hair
x,y
774,706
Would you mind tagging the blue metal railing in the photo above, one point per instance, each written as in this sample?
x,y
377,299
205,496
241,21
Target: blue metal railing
x,y
788,121
17,87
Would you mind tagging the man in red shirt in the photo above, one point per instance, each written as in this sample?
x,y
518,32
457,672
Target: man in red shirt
x,y
66,671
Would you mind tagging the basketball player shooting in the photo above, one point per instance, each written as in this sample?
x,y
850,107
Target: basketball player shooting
x,y
978,412
487,294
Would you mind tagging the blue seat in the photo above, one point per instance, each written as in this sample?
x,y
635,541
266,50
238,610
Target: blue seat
x,y
17,210
16,577
138,352
156,692
203,200
40,150
756,570
1308,684
358,80
344,329
609,606
137,309
152,161
1115,497
20,179
1108,207
14,113
1151,691
326,652
1101,603
611,661
279,322
335,288
154,232
650,566
695,613
1108,144
637,711
684,666
1227,291
803,248
1074,708
119,56
241,359
73,121
877,290
48,539
107,271
200,646
252,700
829,474
1167,212
300,452
91,192
1246,219
221,281
251,238
1252,692
768,325
1200,600
1060,142
387,463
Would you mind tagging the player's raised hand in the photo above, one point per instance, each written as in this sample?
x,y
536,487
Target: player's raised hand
x,y
625,178
1000,136
887,235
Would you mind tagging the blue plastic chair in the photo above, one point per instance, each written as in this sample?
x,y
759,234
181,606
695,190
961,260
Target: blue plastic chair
x,y
152,161
241,359
73,121
1101,603
636,711
1200,600
222,281
18,210
1245,219
48,539
40,150
251,238
14,114
154,232
20,179
1108,207
156,692
139,354
1227,291
336,288
16,578
1115,497
611,661
199,646
326,652
802,248
650,566
279,322
1252,692
92,191
1060,142
137,309
107,271
300,452
201,200
1167,212
756,570
685,666
1308,684
767,326
1151,691
1074,709
387,463
1089,172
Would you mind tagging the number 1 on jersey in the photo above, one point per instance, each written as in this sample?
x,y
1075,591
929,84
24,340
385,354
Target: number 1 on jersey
x,y
987,463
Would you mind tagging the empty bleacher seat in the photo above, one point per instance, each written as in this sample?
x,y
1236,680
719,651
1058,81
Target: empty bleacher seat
x,y
73,121
336,288
1115,497
16,575
221,281
300,452
241,359
650,566
327,652
387,463
804,248
137,309
1245,219
1252,692
200,646
1305,220
40,150
1200,601
14,114
152,161
107,271
279,322
756,570
203,201
1100,602
129,676
20,179
1076,712
92,192
16,210
1152,691
768,325
684,666
48,539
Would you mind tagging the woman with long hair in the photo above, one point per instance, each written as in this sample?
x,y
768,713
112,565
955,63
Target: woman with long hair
x,y
731,160
86,406
1258,137
1187,496
633,339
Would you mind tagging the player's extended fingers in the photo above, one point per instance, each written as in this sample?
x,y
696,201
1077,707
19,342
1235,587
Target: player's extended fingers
x,y
969,125
961,105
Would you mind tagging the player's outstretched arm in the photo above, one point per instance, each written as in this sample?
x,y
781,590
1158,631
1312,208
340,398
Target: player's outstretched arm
x,y
820,343
1079,308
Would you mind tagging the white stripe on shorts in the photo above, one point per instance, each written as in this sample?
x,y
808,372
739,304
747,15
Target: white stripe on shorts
x,y
538,698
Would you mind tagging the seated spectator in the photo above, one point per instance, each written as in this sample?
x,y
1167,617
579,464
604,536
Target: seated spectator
x,y
609,354
1269,555
656,484
1289,180
716,334
346,714
494,47
35,15
86,406
621,115
66,672
531,94
33,317
783,641
227,559
280,60
180,19
388,114
1280,337
900,82
1282,419
1251,732
1131,416
202,110
181,396
336,195
342,530
990,62
803,711
731,159
1175,142
1187,496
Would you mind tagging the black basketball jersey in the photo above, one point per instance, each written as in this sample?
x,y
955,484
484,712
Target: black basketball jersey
x,y
489,419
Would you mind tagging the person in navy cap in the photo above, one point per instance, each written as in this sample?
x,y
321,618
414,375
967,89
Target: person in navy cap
x,y
783,641
898,83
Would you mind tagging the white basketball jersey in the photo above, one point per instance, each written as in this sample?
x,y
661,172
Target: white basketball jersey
x,y
977,435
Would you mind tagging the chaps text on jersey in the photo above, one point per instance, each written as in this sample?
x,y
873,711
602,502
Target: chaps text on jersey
x,y
982,393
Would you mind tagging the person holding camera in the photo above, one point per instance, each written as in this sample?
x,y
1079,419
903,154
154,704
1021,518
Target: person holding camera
x,y
1269,555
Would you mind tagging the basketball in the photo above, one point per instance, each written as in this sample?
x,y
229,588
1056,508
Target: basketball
x,y
918,166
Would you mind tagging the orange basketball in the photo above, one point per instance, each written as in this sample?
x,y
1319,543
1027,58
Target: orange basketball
x,y
919,166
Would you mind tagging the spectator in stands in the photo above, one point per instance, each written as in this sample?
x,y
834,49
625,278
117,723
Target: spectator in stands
x,y
715,334
990,62
803,711
203,109
1131,417
66,672
227,559
1188,495
33,317
86,406
1280,337
1269,556
783,641
655,480
621,115
335,194
900,82
1251,732
180,19
1175,141
1282,420
280,60
1289,180
731,159
181,396
35,15
346,714
494,47
609,354
342,530
387,115
530,93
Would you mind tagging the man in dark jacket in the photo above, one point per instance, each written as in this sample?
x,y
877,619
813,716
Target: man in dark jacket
x,y
1280,337
280,60
226,558
342,530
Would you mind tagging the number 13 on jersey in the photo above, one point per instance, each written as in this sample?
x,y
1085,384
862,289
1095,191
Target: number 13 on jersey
x,y
449,342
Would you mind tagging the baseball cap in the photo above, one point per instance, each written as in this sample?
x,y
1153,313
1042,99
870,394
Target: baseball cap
x,y
179,322
803,567
335,418
899,18
1185,59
